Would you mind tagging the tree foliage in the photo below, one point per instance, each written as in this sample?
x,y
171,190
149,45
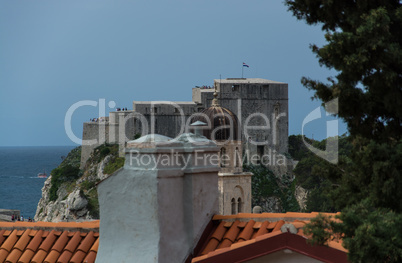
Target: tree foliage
x,y
364,46
265,185
364,40
315,174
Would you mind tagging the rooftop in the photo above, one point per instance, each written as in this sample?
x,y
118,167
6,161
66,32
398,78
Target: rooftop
x,y
247,80
165,102
49,242
232,238
244,236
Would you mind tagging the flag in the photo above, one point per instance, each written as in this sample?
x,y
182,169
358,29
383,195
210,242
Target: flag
x,y
245,65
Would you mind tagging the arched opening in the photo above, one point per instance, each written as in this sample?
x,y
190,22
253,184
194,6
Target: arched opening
x,y
276,126
233,206
239,206
223,157
237,158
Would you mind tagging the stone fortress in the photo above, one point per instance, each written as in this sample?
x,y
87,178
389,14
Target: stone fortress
x,y
255,110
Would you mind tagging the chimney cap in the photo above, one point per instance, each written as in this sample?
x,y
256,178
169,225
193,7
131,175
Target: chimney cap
x,y
198,123
148,141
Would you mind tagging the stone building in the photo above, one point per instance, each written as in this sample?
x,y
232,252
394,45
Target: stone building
x,y
261,107
221,125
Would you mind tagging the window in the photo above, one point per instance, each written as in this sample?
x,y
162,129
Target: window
x,y
233,206
155,110
176,110
239,206
237,157
276,126
223,157
260,152
235,87
155,126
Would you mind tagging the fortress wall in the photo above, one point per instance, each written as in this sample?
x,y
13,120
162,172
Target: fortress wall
x,y
196,95
93,135
165,119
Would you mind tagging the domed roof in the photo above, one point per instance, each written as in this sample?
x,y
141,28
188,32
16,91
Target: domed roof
x,y
223,124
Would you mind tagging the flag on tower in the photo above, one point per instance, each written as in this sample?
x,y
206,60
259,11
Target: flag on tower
x,y
245,65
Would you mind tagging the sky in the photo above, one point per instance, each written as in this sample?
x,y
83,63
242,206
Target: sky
x,y
54,54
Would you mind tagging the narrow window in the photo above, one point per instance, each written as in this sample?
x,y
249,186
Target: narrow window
x,y
237,157
239,206
223,157
260,152
233,206
276,120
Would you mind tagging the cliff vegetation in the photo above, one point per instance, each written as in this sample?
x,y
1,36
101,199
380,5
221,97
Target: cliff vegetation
x,y
309,186
70,193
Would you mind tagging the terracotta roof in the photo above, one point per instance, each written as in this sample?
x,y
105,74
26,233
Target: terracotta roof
x,y
241,237
22,242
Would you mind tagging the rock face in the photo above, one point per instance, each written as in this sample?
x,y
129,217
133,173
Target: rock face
x,y
271,204
68,206
301,197
76,200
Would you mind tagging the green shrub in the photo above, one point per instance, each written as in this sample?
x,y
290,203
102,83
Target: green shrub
x,y
104,152
265,184
93,203
114,165
87,185
61,175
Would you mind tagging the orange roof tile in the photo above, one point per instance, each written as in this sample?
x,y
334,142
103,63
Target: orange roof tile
x,y
13,256
74,242
78,257
65,256
27,256
247,231
24,242
237,232
52,256
90,258
261,229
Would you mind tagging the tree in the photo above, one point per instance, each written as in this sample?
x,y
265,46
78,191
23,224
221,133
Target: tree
x,y
317,175
364,40
364,45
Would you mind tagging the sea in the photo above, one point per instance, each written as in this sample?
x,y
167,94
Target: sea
x,y
20,187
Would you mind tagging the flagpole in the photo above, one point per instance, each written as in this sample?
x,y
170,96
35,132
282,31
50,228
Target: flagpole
x,y
242,68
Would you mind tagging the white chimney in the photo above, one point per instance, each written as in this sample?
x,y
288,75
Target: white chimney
x,y
156,207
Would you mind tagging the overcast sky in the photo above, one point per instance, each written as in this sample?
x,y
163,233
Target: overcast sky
x,y
54,53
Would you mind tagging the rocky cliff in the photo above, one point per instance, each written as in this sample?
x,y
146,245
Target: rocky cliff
x,y
69,194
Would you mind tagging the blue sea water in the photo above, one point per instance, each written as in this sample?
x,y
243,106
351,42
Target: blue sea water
x,y
20,188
